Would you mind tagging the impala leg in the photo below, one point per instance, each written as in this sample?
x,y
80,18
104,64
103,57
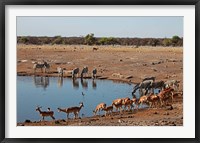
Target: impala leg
x,y
53,117
172,97
78,114
116,108
160,103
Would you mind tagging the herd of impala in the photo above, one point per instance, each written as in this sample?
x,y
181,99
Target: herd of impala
x,y
161,99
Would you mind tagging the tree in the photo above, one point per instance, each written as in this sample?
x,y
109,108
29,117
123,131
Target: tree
x,y
57,40
90,39
23,40
167,42
175,40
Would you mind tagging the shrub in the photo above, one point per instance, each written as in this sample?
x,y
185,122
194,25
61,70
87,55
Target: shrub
x,y
90,39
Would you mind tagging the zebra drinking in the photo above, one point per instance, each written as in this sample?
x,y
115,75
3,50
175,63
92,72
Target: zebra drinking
x,y
84,71
94,73
44,65
60,71
75,72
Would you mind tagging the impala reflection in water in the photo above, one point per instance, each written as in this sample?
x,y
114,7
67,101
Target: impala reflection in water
x,y
54,92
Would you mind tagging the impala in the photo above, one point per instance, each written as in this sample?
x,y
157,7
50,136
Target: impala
x,y
108,110
45,113
74,110
118,103
99,107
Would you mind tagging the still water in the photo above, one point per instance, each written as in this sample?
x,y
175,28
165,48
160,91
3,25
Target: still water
x,y
57,92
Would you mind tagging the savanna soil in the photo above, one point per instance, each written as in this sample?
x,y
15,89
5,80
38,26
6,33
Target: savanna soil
x,y
121,63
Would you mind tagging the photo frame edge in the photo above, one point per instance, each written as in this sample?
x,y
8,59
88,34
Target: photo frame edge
x,y
2,76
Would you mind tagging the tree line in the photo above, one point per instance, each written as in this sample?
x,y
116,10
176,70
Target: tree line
x,y
90,39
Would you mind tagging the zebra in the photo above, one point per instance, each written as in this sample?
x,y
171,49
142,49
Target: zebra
x,y
144,87
60,71
44,65
75,72
94,73
172,83
84,71
149,78
158,84
135,88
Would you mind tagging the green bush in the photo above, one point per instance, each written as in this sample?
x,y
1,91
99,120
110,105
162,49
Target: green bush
x,y
90,39
167,42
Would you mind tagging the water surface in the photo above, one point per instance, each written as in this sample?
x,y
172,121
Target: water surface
x,y
57,92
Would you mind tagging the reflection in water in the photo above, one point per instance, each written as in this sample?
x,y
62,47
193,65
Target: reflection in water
x,y
94,84
60,81
41,81
84,83
87,92
75,83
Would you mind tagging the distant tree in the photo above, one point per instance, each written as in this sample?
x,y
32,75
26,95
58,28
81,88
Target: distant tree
x,y
107,41
112,41
167,42
175,40
90,39
57,40
102,41
23,40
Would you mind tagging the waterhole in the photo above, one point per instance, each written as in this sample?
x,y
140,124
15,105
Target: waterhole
x,y
54,92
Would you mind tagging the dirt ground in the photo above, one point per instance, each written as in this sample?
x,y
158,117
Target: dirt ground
x,y
123,63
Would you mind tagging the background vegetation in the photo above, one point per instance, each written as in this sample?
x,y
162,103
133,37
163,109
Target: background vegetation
x,y
90,39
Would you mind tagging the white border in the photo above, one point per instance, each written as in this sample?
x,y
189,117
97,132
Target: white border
x,y
187,131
